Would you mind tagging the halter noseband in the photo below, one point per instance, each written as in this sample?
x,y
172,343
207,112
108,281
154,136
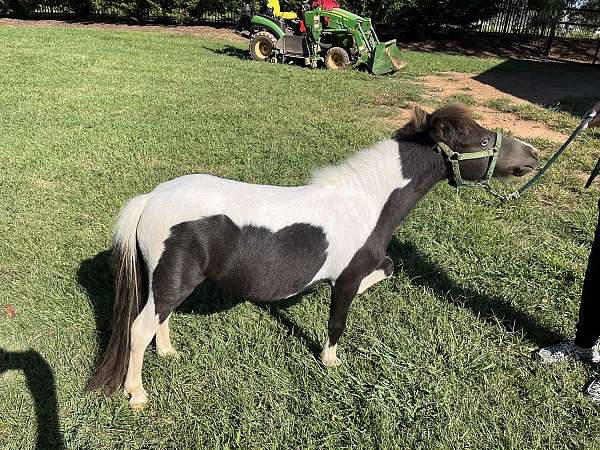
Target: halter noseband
x,y
454,158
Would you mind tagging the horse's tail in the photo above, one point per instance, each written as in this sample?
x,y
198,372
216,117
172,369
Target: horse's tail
x,y
112,369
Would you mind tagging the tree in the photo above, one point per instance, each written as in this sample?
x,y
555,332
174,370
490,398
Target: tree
x,y
425,16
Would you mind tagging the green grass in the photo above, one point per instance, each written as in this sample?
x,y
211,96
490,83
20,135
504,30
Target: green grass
x,y
436,357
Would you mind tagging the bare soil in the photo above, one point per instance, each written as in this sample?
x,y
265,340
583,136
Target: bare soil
x,y
442,86
490,118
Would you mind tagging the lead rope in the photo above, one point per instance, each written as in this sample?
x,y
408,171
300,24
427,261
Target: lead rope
x,y
519,192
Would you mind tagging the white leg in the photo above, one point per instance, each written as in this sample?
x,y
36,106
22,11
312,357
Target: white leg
x,y
329,355
368,281
163,340
143,330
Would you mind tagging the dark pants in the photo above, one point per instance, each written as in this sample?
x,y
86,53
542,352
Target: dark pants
x,y
588,326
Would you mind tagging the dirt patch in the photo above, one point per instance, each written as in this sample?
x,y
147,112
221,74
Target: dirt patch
x,y
452,83
545,84
490,118
223,34
439,88
480,46
484,45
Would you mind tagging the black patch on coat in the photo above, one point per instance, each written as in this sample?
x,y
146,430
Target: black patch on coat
x,y
425,169
251,262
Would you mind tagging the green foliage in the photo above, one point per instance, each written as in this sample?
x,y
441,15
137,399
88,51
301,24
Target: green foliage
x,y
407,15
422,16
17,8
177,11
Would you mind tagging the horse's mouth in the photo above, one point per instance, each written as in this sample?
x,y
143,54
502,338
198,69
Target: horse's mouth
x,y
523,170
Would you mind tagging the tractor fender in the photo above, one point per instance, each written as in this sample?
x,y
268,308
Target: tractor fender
x,y
268,25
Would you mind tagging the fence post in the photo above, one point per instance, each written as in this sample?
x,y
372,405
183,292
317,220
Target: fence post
x,y
552,33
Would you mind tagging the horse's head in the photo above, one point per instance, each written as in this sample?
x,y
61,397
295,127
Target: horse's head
x,y
453,126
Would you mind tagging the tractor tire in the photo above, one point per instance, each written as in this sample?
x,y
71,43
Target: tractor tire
x,y
262,46
337,58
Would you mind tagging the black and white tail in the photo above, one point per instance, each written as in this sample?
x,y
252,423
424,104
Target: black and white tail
x,y
127,271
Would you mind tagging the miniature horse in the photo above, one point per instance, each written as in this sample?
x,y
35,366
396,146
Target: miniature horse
x,y
268,243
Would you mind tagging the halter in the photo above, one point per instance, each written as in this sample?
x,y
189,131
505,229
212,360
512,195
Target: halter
x,y
455,157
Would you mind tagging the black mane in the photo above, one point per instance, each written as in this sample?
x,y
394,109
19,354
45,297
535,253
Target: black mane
x,y
425,128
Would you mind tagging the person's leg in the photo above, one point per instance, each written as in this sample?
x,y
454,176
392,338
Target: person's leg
x,y
588,325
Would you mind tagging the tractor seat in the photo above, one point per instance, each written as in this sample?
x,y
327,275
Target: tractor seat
x,y
274,5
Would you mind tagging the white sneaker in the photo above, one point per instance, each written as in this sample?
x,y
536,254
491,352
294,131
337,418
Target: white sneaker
x,y
567,349
593,390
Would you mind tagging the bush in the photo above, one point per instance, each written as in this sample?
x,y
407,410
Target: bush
x,y
423,16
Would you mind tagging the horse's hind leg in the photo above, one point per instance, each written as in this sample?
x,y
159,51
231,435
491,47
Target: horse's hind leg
x,y
163,299
163,340
143,330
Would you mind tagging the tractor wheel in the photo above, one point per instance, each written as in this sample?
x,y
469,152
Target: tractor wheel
x,y
337,58
262,46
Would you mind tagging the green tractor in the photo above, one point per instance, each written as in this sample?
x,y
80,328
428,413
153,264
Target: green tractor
x,y
333,37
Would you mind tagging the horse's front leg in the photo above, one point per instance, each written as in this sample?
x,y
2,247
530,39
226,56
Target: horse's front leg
x,y
383,271
342,294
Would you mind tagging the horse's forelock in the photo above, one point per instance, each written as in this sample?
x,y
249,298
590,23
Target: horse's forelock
x,y
455,115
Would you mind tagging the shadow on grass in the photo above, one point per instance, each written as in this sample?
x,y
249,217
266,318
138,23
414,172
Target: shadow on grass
x,y
40,381
95,276
493,310
230,50
567,87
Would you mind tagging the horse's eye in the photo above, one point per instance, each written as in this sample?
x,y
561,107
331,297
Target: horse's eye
x,y
484,142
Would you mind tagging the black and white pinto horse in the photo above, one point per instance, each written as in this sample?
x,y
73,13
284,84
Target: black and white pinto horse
x,y
268,243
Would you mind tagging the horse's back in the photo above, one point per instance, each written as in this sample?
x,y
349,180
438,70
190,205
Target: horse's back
x,y
195,197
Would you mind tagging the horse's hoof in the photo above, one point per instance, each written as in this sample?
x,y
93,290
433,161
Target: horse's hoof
x,y
168,352
138,402
138,399
334,362
137,406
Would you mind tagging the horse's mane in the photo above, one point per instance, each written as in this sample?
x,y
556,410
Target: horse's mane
x,y
457,116
443,124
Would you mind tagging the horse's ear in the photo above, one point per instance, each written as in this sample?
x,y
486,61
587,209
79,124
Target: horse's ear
x,y
420,118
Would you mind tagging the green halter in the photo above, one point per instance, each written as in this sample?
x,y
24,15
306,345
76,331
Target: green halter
x,y
455,157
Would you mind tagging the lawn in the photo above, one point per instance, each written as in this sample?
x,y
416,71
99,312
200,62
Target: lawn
x,y
436,357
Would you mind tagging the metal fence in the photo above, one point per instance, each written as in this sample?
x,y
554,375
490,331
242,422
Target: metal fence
x,y
575,35
571,34
205,12
515,18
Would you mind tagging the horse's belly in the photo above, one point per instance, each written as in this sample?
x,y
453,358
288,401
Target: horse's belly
x,y
264,265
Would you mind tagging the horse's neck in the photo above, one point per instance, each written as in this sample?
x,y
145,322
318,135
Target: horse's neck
x,y
383,183
424,168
